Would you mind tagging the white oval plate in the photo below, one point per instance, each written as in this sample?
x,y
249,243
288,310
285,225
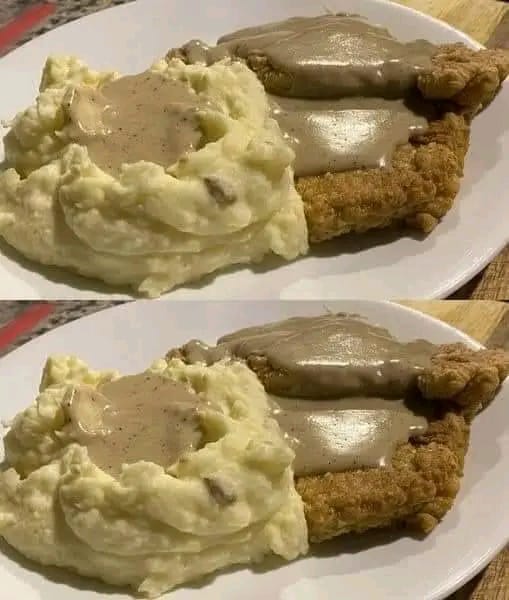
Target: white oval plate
x,y
382,565
374,265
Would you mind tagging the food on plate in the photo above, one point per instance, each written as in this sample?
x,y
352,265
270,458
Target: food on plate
x,y
282,134
149,180
380,127
380,426
279,435
149,480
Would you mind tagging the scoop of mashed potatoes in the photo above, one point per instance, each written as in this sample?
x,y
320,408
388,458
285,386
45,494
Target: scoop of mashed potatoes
x,y
152,226
152,527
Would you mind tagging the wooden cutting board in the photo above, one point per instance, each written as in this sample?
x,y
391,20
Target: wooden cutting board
x,y
477,18
487,322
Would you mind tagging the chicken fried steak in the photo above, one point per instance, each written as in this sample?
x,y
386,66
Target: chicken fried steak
x,y
380,127
380,426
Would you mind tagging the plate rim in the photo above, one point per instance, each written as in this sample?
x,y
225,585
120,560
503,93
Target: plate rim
x,y
129,6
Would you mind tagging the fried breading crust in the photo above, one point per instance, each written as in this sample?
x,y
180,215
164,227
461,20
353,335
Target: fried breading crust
x,y
425,474
468,78
425,176
459,379
417,490
465,378
417,191
424,477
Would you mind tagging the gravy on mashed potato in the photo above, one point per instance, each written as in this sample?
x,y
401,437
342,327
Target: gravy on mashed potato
x,y
138,117
139,417
149,180
149,480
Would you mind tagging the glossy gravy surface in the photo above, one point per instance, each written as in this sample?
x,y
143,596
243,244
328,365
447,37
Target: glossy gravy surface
x,y
327,56
333,355
141,417
352,386
345,434
348,133
138,117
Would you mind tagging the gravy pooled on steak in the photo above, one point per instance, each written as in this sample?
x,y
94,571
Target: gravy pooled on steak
x,y
138,417
332,355
332,56
351,133
351,385
339,86
137,117
345,434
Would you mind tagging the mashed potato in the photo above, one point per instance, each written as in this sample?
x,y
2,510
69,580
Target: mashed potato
x,y
152,226
151,527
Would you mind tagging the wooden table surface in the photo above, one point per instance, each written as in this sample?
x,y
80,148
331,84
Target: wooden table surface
x,y
488,322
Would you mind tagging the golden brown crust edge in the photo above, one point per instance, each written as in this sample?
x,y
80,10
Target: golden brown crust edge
x,y
417,191
422,184
425,176
425,474
460,379
416,491
464,379
469,79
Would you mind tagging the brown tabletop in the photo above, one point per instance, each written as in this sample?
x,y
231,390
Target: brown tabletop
x,y
492,283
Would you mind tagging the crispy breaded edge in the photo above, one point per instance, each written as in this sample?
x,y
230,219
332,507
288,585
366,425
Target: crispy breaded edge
x,y
464,379
415,491
417,191
425,176
424,180
424,477
468,79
